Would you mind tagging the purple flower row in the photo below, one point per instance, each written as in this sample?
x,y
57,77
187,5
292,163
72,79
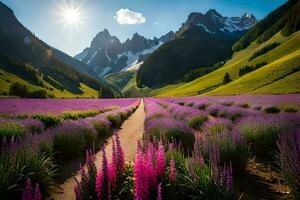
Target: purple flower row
x,y
20,106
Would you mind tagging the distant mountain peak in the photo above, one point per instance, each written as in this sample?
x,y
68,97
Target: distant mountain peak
x,y
104,33
137,36
213,22
213,13
108,55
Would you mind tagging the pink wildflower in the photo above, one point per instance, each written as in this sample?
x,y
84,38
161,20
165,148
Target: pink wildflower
x,y
27,194
161,160
37,193
173,172
159,192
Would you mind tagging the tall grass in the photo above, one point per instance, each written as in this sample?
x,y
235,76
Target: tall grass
x,y
289,160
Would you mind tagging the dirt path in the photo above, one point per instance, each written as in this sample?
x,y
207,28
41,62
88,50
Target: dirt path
x,y
131,130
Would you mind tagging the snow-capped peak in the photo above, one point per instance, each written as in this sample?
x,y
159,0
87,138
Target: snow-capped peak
x,y
213,22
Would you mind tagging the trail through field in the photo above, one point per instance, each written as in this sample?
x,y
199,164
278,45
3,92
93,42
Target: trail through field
x,y
131,130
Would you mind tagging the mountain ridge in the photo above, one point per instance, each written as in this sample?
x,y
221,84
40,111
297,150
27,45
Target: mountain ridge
x,y
107,54
214,22
199,42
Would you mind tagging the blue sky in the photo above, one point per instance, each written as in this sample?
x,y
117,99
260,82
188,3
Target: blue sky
x,y
147,17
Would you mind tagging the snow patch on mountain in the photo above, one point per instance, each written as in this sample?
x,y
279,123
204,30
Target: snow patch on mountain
x,y
107,56
82,56
94,54
104,71
134,67
205,28
134,58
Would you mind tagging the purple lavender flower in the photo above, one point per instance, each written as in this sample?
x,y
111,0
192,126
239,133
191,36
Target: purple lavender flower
x,y
37,193
173,171
27,194
159,195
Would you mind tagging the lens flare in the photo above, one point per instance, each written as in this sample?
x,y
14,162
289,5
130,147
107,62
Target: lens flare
x,y
70,15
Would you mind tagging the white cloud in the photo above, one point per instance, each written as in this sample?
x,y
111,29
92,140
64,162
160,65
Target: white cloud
x,y
156,23
126,16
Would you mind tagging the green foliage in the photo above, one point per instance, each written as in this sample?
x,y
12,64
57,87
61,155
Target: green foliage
x,y
106,92
262,135
246,69
244,105
91,140
23,70
197,121
125,183
272,109
217,128
290,110
14,170
264,50
20,90
197,182
226,78
74,115
115,121
17,89
39,94
120,79
174,134
228,104
235,152
168,64
9,129
68,146
196,73
48,120
103,130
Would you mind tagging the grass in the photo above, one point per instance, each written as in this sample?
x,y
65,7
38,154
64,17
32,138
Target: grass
x,y
264,76
197,121
6,79
273,78
121,79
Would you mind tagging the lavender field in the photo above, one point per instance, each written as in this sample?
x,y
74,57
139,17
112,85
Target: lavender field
x,y
233,147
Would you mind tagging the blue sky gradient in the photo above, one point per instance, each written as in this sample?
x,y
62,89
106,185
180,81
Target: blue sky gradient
x,y
41,17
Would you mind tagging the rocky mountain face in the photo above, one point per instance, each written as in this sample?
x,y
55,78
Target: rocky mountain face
x,y
108,55
213,22
201,41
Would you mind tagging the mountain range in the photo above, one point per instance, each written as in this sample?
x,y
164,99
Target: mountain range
x,y
107,54
256,56
201,41
214,23
265,60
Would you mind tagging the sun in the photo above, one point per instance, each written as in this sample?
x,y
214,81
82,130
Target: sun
x,y
70,16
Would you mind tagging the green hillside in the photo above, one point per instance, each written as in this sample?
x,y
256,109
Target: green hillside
x,y
6,79
36,70
280,75
120,79
286,18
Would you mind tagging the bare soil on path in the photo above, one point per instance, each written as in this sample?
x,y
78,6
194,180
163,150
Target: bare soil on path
x,y
131,131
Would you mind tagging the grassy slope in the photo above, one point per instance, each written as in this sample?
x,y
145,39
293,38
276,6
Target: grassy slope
x,y
265,77
6,79
281,60
120,79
